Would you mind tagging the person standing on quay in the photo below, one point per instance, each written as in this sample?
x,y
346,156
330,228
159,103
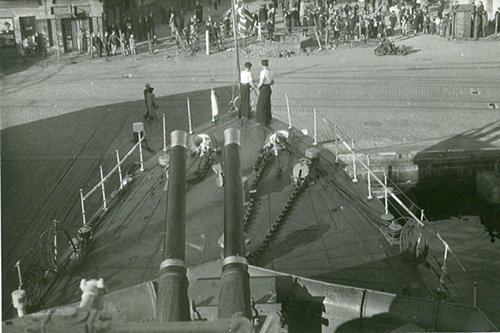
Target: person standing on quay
x,y
150,101
263,114
131,44
246,83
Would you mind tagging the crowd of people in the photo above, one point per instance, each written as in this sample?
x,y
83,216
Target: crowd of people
x,y
35,44
327,18
351,21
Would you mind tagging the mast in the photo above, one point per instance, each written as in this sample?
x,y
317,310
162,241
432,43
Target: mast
x,y
236,48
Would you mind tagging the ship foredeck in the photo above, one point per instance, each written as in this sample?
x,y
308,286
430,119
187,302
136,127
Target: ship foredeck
x,y
330,232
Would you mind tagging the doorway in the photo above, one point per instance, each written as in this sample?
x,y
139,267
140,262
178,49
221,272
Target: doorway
x,y
67,33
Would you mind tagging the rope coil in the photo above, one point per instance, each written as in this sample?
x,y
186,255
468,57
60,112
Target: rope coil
x,y
414,241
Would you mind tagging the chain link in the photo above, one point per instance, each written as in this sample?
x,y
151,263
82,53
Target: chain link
x,y
205,164
299,187
260,165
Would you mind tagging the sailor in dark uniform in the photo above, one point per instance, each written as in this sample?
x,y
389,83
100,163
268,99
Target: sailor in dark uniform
x,y
263,114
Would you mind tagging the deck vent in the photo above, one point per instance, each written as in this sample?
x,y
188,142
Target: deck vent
x,y
475,91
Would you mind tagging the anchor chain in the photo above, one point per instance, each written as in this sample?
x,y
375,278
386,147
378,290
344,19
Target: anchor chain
x,y
205,164
260,165
299,187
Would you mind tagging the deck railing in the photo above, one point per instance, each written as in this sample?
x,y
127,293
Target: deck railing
x,y
352,159
101,185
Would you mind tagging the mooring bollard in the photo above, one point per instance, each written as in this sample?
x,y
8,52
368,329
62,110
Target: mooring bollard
x,y
82,199
189,117
288,111
119,169
355,178
103,189
369,197
19,295
140,152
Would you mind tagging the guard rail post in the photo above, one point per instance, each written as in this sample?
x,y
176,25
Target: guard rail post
x,y
82,199
386,199
369,197
119,169
189,117
207,42
355,177
336,144
164,135
315,143
474,301
104,206
140,151
288,111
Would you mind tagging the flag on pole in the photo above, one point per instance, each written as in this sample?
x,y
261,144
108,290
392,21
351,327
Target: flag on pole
x,y
244,19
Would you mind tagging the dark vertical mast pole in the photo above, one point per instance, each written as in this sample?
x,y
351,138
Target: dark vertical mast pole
x,y
235,32
235,280
173,303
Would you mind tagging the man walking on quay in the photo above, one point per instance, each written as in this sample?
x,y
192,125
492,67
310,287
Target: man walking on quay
x,y
263,114
149,99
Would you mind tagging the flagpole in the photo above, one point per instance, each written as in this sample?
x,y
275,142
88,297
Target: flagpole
x,y
233,2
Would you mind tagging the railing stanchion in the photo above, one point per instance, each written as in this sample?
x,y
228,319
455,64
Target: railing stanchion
x,y
369,197
336,144
355,177
140,152
474,301
386,200
444,269
288,111
82,199
189,117
104,206
207,42
164,135
422,215
18,265
119,169
315,143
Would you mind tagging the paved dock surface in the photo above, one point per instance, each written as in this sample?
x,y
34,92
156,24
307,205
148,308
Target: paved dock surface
x,y
60,122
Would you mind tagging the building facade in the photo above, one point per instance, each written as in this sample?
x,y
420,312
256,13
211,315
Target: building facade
x,y
117,12
65,24
490,6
